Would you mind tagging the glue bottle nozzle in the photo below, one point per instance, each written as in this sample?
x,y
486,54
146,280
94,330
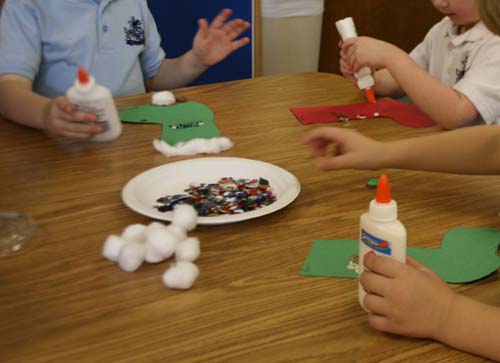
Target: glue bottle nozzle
x,y
83,77
383,190
370,95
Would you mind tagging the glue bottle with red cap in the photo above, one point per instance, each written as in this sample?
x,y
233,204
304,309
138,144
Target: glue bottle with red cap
x,y
381,233
88,96
364,79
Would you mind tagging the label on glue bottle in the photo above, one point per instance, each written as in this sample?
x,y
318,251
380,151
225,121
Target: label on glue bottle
x,y
381,233
87,96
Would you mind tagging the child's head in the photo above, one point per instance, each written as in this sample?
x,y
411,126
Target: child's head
x,y
489,12
461,12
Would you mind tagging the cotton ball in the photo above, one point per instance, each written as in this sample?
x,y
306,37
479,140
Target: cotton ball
x,y
185,216
188,250
163,98
162,242
152,255
154,225
131,256
112,247
225,143
178,231
134,233
181,275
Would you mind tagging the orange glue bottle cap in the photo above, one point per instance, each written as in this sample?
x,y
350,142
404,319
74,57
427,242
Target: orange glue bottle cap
x,y
370,95
383,190
83,77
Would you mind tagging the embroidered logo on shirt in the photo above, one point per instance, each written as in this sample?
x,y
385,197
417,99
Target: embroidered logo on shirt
x,y
134,35
461,72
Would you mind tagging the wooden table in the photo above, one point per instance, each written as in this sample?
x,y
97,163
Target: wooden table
x,y
61,301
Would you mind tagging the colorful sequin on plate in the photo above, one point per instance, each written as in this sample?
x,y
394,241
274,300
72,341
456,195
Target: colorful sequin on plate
x,y
227,196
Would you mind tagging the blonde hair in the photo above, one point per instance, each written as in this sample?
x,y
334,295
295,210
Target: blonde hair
x,y
489,13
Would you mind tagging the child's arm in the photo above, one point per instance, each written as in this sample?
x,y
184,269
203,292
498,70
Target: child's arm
x,y
20,104
212,43
442,103
457,151
410,299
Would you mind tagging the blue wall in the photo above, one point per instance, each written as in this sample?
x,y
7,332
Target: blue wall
x,y
177,23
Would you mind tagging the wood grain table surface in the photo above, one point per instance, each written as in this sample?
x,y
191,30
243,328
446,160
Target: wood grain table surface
x,y
61,301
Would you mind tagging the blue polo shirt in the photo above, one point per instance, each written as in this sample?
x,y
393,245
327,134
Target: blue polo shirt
x,y
46,40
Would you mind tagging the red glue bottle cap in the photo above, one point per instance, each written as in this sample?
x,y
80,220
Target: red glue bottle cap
x,y
383,190
370,95
83,77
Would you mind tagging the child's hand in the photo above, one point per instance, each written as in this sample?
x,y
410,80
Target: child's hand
x,y
407,299
215,42
61,118
352,150
364,51
345,69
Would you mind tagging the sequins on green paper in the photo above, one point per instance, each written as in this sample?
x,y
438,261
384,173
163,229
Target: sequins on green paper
x,y
227,196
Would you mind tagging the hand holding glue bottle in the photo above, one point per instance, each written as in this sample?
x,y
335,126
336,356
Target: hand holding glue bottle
x,y
87,96
365,81
381,232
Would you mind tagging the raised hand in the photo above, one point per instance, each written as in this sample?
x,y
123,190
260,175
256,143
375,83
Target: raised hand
x,y
212,43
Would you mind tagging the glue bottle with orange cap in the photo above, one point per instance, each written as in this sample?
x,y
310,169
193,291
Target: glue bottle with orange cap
x,y
364,79
88,96
381,233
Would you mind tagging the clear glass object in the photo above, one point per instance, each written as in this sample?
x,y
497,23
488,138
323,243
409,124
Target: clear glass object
x,y
15,229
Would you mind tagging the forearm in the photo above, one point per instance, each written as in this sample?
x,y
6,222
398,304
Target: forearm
x,y
385,85
177,72
447,107
471,150
472,327
20,104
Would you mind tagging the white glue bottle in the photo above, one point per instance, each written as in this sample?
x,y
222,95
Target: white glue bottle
x,y
87,96
365,81
380,232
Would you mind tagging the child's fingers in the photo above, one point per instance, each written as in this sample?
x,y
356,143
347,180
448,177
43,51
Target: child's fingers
x,y
376,304
240,43
203,28
382,265
85,130
64,105
379,322
77,116
375,283
234,28
221,18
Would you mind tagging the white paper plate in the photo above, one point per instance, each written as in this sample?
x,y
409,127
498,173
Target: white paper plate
x,y
142,192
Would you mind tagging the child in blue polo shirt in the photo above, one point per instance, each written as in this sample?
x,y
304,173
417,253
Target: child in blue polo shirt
x,y
42,43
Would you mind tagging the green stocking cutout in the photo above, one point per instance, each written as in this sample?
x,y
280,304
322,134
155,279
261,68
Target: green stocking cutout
x,y
465,255
180,122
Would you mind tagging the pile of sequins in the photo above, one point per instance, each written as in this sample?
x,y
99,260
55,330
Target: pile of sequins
x,y
227,196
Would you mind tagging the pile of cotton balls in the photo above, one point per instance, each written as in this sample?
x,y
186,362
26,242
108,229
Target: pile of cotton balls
x,y
156,243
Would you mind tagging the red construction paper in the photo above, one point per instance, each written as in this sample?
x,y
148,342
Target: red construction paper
x,y
403,113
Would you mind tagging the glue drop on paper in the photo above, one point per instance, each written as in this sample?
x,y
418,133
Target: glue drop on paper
x,y
88,96
365,81
380,232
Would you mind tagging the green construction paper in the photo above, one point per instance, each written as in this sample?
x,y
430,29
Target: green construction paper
x,y
174,115
465,255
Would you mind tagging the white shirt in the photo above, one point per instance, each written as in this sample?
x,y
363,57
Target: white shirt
x,y
468,62
287,8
